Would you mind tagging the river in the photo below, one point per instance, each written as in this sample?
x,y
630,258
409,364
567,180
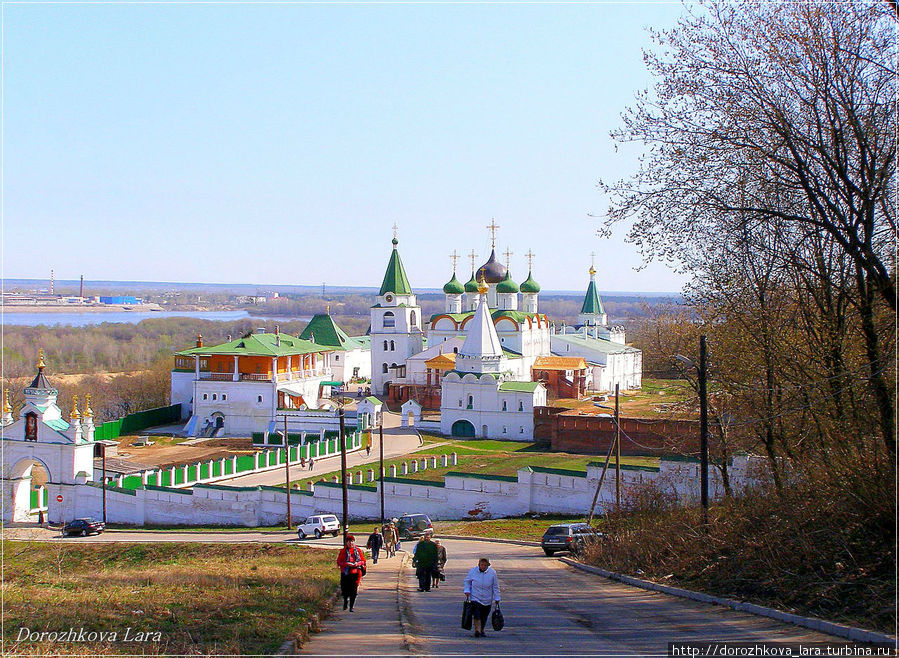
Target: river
x,y
84,319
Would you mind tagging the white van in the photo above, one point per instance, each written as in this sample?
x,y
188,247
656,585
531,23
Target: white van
x,y
319,525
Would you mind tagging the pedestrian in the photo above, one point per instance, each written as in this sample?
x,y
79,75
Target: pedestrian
x,y
425,561
375,541
482,590
302,462
351,562
390,539
438,574
311,463
399,537
368,448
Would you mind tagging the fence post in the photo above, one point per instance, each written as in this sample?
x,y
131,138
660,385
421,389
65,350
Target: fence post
x,y
393,470
404,469
454,459
444,460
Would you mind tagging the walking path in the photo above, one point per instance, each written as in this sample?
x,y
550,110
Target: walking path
x,y
398,441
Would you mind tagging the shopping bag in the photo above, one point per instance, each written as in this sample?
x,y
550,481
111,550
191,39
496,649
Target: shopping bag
x,y
497,619
466,615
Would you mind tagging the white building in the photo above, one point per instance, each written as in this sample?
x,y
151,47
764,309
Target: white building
x,y
246,385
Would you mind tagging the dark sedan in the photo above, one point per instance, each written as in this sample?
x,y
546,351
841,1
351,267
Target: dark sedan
x,y
84,527
567,537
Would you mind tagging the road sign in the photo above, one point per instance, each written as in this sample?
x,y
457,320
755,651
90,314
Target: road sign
x,y
59,498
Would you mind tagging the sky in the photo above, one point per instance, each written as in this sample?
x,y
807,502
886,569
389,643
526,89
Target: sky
x,y
279,143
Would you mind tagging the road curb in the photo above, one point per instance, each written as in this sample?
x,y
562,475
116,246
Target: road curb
x,y
839,630
519,542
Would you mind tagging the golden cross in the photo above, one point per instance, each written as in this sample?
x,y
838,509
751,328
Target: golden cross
x,y
472,256
395,227
508,256
492,228
592,259
530,257
454,257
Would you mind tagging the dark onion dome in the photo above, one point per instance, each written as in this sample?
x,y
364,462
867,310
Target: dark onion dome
x,y
453,287
492,271
507,285
529,285
471,285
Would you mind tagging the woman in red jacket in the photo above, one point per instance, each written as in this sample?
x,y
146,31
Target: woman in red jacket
x,y
351,561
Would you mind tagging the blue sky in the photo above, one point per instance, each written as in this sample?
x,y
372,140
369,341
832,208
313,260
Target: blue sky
x,y
253,143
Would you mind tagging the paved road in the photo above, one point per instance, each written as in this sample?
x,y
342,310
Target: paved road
x,y
398,441
550,608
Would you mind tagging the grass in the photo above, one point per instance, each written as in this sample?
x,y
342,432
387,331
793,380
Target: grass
x,y
185,598
486,457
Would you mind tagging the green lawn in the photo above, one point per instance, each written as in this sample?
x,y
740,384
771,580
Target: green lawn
x,y
485,457
207,599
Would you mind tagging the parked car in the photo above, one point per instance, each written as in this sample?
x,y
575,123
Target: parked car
x,y
83,527
567,537
316,526
413,526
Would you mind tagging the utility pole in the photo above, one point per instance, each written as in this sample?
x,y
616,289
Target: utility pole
x,y
381,448
617,454
602,477
343,483
703,429
287,471
103,476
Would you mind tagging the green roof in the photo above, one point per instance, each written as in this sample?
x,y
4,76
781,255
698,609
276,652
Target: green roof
x,y
592,304
374,400
471,285
507,285
325,331
395,279
519,387
453,287
555,471
529,285
58,424
261,345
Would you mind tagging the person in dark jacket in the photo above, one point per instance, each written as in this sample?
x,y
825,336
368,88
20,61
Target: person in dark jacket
x,y
375,542
437,573
425,562
351,562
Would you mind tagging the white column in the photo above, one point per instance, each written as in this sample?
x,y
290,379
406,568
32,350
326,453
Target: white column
x,y
454,459
236,376
444,460
415,466
371,475
433,462
404,468
197,367
393,470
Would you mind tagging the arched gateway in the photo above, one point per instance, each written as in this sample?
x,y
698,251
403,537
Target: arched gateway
x,y
43,453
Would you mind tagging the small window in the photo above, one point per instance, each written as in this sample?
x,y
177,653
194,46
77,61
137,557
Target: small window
x,y
384,368
385,345
392,346
214,396
504,429
520,405
504,406
389,319
258,398
413,318
460,402
521,430
470,402
224,397
205,396
337,357
455,350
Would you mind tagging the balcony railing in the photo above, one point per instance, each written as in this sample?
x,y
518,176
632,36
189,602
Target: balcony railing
x,y
265,376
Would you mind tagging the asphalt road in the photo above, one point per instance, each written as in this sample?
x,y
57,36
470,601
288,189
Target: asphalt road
x,y
549,607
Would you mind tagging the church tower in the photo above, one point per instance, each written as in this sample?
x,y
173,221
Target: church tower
x,y
592,313
482,351
395,325
454,290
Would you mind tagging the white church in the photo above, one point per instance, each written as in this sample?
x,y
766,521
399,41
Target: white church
x,y
491,356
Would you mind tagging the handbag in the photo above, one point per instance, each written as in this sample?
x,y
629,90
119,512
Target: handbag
x,y
466,615
497,620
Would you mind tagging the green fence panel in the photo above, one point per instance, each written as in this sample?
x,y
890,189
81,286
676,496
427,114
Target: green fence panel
x,y
132,482
227,468
34,499
204,470
244,463
152,479
192,473
258,438
179,476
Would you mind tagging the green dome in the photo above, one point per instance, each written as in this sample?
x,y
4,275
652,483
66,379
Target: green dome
x,y
507,285
472,285
453,287
530,285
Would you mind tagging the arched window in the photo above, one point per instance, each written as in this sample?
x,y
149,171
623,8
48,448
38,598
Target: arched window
x,y
520,405
470,402
258,398
412,318
389,319
205,396
392,346
384,368
385,345
214,396
504,405
455,350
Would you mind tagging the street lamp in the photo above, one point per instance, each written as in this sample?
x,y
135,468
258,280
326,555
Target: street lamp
x,y
702,370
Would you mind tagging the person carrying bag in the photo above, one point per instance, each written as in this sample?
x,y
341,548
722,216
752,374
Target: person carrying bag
x,y
466,615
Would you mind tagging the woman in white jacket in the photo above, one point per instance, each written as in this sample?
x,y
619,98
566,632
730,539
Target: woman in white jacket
x,y
482,590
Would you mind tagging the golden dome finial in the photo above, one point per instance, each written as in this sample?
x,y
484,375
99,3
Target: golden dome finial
x,y
75,413
40,359
7,408
328,309
592,271
88,412
482,285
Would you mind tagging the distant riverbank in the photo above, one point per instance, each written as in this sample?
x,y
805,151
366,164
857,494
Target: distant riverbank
x,y
9,309
82,317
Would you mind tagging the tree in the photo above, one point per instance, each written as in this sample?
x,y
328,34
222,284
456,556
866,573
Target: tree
x,y
774,115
